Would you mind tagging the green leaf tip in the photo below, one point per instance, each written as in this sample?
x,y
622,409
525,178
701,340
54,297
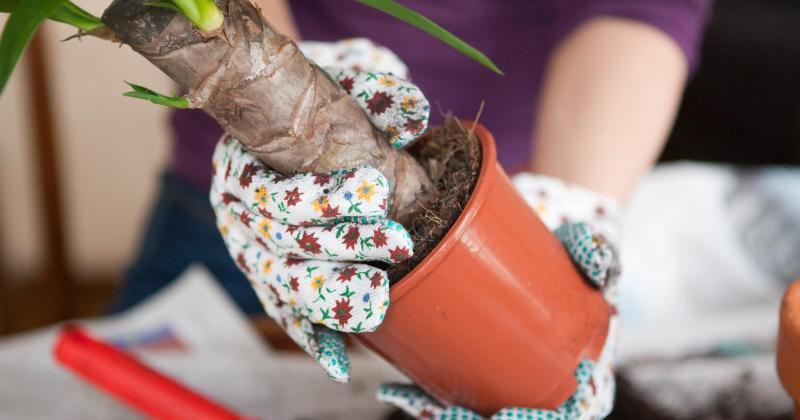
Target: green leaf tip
x,y
66,12
73,15
141,92
413,18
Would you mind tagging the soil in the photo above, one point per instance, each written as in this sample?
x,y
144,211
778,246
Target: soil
x,y
451,156
631,404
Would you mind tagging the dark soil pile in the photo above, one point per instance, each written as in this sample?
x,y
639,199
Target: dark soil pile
x,y
451,156
630,404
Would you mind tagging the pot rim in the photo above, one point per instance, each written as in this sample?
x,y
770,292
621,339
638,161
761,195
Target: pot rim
x,y
475,202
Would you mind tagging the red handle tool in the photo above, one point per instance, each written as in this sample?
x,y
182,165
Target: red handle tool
x,y
127,379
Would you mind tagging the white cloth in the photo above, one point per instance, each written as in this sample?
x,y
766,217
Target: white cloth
x,y
688,282
192,332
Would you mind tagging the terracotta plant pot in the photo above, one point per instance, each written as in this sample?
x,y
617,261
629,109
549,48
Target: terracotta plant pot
x,y
496,315
788,354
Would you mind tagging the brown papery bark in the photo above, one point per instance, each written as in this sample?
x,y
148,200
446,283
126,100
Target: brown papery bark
x,y
258,85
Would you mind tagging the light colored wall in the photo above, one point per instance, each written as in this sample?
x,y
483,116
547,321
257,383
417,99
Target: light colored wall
x,y
18,203
111,150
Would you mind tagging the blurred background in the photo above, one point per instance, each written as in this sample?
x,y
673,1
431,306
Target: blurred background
x,y
79,171
80,162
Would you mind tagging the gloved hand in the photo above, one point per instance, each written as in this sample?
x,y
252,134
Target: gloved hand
x,y
378,81
587,225
295,238
586,222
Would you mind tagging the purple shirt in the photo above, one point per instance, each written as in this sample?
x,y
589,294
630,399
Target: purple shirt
x,y
518,35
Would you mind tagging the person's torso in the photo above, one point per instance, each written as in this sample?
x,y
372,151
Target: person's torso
x,y
515,34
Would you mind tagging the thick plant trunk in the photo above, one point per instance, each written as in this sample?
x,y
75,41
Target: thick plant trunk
x,y
258,85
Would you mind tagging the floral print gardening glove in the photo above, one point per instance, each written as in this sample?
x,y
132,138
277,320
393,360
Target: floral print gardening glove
x,y
586,222
303,241
378,81
300,241
587,225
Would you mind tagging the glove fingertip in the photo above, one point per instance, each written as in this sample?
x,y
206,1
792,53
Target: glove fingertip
x,y
411,399
592,253
397,246
395,106
332,354
411,127
338,377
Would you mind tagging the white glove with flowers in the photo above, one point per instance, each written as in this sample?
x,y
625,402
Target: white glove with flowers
x,y
587,225
586,222
377,79
297,239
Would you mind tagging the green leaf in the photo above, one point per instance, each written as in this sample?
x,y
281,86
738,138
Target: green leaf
x,y
142,92
73,15
7,6
67,12
411,17
19,30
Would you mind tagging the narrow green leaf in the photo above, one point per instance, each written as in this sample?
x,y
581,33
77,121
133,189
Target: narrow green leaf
x,y
141,92
71,14
67,12
77,11
19,30
411,17
7,6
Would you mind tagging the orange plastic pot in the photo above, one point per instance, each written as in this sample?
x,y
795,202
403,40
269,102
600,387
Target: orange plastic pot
x,y
788,353
497,315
